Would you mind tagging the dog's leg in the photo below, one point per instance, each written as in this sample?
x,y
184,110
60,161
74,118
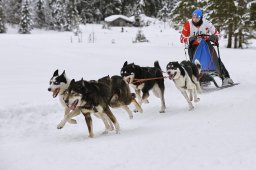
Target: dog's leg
x,y
158,92
145,97
88,121
184,93
137,106
196,99
197,83
112,118
67,117
105,121
163,107
126,108
190,92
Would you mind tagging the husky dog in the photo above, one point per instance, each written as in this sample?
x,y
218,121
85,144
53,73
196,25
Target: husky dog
x,y
185,77
121,95
58,84
131,72
91,97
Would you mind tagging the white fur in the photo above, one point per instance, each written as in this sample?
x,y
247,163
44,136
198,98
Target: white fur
x,y
190,88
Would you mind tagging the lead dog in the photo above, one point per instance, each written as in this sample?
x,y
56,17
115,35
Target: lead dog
x,y
131,72
185,76
91,97
121,95
58,84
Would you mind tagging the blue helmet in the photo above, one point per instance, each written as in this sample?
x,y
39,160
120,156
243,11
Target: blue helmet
x,y
198,13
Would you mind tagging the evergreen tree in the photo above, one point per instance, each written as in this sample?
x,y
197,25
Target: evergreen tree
x,y
2,19
86,10
13,11
40,18
252,9
221,14
58,12
26,20
183,11
73,18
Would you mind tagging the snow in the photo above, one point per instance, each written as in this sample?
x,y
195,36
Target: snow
x,y
115,17
219,134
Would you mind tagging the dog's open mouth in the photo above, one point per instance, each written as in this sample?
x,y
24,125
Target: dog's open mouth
x,y
171,76
73,105
56,92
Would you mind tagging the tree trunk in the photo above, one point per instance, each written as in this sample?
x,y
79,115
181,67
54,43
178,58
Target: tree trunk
x,y
230,33
235,43
240,39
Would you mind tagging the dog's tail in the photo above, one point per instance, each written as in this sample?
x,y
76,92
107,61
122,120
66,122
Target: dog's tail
x,y
156,65
198,65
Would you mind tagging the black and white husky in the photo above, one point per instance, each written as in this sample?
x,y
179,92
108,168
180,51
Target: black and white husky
x,y
58,84
185,76
91,97
153,81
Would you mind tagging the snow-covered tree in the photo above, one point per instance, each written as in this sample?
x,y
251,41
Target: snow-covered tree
x,y
73,18
183,11
58,11
13,11
40,18
25,25
2,19
87,10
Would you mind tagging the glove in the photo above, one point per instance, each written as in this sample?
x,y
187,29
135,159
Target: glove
x,y
192,39
213,38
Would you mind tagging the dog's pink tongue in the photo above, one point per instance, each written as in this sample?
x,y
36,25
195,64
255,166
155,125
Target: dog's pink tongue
x,y
56,92
171,77
73,106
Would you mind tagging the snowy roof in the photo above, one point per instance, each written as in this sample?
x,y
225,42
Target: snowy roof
x,y
115,17
144,18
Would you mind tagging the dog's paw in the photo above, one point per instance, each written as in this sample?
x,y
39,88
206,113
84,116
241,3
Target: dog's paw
x,y
135,111
60,125
162,111
131,116
105,132
197,100
72,121
90,135
145,101
191,108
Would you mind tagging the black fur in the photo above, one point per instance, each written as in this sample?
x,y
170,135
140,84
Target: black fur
x,y
205,78
145,73
191,69
120,92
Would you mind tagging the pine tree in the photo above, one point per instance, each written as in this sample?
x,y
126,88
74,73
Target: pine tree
x,y
58,12
13,11
26,20
252,12
40,18
73,18
86,10
183,11
2,19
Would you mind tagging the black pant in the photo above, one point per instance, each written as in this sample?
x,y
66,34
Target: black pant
x,y
223,72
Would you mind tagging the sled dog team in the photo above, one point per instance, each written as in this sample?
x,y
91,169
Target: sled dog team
x,y
97,96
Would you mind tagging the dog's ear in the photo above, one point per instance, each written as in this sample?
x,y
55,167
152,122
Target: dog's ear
x,y
56,73
72,81
125,64
108,76
82,80
63,73
133,66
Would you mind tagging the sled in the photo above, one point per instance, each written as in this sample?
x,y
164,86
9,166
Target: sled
x,y
211,65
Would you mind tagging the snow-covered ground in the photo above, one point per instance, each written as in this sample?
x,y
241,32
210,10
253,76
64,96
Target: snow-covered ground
x,y
219,134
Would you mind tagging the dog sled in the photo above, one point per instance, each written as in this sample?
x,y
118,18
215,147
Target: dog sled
x,y
211,65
